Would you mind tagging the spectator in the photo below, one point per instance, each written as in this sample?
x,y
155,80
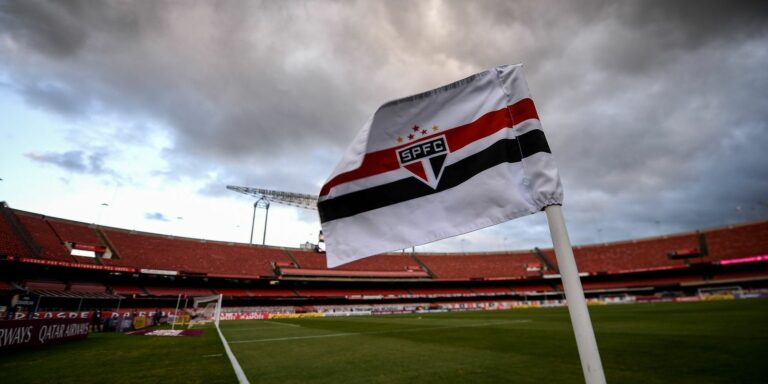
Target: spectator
x,y
157,316
96,321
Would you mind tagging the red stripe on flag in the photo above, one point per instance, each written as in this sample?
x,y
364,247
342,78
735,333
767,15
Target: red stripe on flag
x,y
385,160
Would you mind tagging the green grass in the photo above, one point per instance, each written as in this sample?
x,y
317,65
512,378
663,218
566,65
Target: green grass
x,y
704,342
117,358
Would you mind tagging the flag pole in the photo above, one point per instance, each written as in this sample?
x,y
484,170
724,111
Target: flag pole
x,y
574,295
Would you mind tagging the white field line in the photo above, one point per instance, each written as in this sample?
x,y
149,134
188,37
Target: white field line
x,y
425,329
266,327
241,378
283,324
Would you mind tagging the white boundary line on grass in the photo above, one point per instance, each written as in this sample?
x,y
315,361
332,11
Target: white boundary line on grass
x,y
424,329
283,324
235,365
270,326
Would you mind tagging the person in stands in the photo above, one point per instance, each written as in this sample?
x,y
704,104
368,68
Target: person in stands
x,y
157,316
96,321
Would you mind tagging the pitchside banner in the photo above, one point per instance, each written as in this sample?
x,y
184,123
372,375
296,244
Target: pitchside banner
x,y
438,164
16,334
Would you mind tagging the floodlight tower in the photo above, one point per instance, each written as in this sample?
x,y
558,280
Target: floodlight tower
x,y
266,196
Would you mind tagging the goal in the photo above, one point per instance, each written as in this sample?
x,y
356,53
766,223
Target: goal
x,y
205,309
619,298
720,293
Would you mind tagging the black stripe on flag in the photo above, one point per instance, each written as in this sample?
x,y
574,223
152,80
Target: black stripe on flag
x,y
503,151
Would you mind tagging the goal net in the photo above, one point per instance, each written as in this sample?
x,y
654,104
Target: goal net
x,y
619,298
720,293
205,309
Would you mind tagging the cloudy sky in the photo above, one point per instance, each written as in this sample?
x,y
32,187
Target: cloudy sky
x,y
656,111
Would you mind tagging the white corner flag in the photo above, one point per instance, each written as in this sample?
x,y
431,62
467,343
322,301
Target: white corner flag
x,y
449,161
445,162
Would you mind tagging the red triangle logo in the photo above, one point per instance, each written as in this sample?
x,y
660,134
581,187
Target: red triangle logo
x,y
417,169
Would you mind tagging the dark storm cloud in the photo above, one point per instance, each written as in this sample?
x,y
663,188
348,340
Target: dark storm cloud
x,y
655,110
75,161
51,28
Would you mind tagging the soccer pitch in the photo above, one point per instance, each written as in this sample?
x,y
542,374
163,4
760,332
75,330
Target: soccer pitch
x,y
701,342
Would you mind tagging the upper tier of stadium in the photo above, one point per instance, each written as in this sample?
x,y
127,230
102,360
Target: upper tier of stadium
x,y
34,237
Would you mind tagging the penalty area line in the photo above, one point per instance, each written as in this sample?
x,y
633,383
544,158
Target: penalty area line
x,y
405,330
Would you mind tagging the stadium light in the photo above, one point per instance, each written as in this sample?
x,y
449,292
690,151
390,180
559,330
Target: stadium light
x,y
267,196
300,200
262,202
101,209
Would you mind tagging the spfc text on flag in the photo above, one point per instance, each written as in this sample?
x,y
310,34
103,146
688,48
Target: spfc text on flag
x,y
445,162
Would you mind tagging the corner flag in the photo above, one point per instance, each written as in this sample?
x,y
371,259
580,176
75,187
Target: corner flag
x,y
445,162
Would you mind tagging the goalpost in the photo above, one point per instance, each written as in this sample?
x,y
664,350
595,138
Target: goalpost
x,y
206,309
612,298
720,293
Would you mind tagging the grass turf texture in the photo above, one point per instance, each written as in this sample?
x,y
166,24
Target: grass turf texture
x,y
702,342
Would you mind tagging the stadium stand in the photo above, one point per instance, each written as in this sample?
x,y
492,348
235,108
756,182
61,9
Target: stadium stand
x,y
384,263
441,291
76,233
308,260
341,273
45,285
10,243
635,255
87,287
128,290
273,292
492,290
43,234
176,291
313,264
640,282
232,292
480,266
151,269
58,289
16,241
741,276
533,288
5,286
351,292
738,241
217,259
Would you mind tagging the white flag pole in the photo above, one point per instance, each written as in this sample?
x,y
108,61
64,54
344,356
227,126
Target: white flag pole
x,y
574,295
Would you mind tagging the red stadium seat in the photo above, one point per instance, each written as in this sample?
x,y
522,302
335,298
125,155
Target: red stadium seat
x,y
144,250
175,291
479,266
42,233
45,285
10,243
738,241
128,290
609,266
87,287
